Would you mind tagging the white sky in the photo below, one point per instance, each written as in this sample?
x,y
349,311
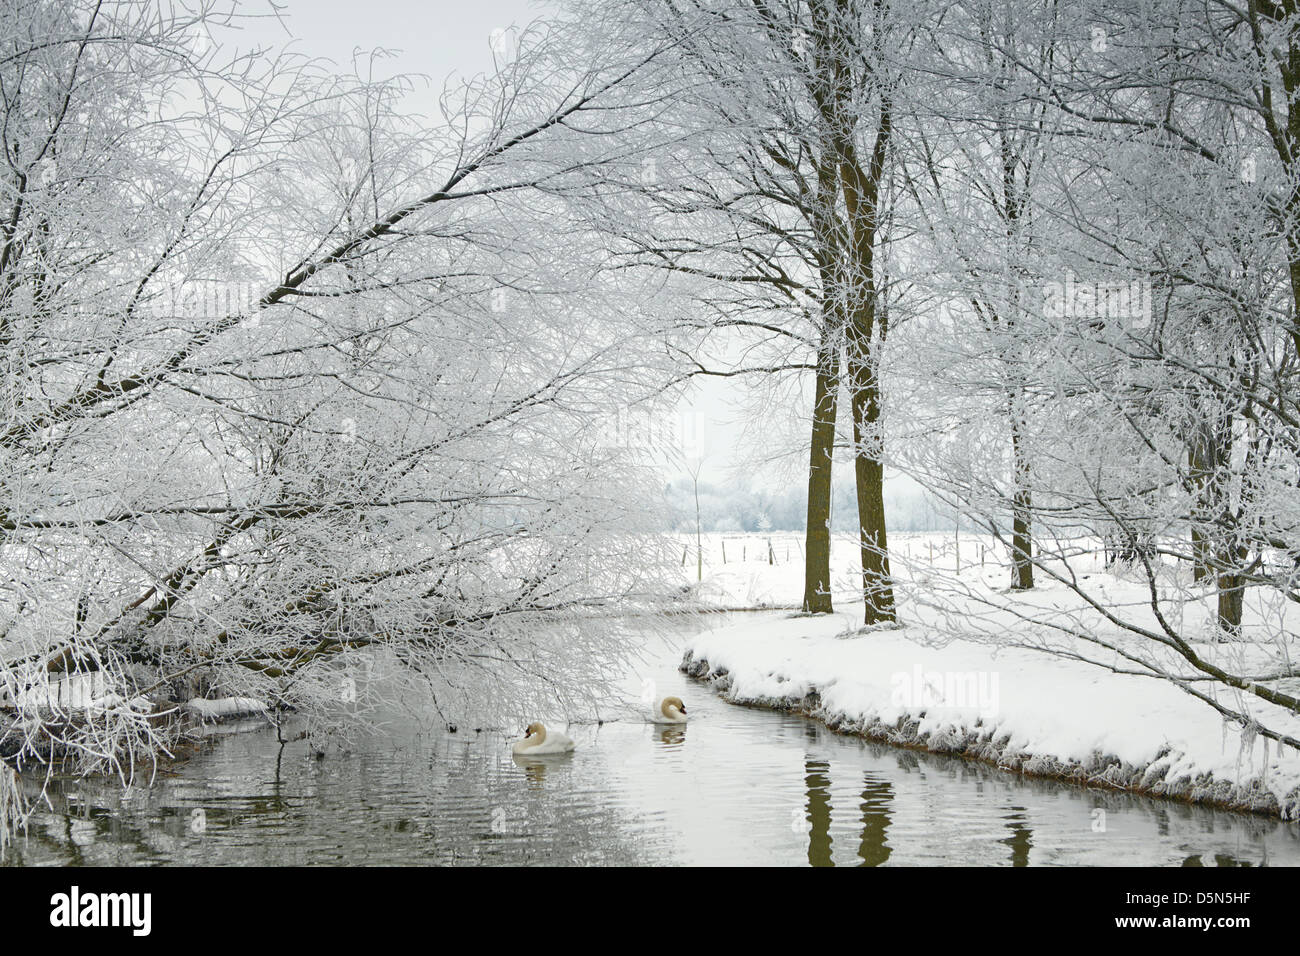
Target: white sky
x,y
432,37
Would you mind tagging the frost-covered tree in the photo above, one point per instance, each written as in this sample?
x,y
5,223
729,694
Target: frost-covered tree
x,y
981,152
1162,347
299,389
766,188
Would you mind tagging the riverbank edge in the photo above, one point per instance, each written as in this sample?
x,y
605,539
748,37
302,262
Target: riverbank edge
x,y
1104,771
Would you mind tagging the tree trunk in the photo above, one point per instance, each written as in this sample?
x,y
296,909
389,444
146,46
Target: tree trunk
x,y
1231,593
1200,467
869,470
1022,567
1225,549
1231,585
817,553
1200,555
866,329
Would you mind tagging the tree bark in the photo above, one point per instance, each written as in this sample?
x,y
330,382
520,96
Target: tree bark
x,y
1232,590
1200,464
866,328
869,470
1022,567
817,550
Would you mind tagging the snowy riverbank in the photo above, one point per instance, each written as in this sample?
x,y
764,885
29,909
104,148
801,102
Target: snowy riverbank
x,y
1016,708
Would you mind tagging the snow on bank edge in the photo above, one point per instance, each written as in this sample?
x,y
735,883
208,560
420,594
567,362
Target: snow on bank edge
x,y
1057,719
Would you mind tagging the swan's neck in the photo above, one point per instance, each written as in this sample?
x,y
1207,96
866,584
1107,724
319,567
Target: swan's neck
x,y
537,739
670,711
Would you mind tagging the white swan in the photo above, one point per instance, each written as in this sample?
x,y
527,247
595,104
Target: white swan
x,y
537,742
671,710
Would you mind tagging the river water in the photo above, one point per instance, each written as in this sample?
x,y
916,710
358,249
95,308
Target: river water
x,y
735,786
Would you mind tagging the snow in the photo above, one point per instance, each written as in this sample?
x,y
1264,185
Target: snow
x,y
90,692
976,694
743,571
87,691
223,708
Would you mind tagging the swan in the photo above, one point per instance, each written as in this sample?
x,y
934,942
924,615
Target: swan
x,y
537,741
671,711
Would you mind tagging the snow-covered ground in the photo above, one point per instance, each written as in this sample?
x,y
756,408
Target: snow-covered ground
x,y
752,570
948,681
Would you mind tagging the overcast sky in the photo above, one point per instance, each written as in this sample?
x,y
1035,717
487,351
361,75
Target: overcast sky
x,y
433,37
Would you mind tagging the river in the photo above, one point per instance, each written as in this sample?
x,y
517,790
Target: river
x,y
737,785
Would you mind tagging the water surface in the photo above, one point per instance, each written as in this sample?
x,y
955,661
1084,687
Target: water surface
x,y
736,786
